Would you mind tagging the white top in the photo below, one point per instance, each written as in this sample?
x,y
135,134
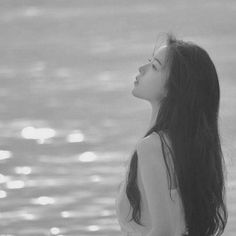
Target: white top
x,y
124,211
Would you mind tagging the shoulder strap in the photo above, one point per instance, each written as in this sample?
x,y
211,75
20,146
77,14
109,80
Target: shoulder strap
x,y
168,162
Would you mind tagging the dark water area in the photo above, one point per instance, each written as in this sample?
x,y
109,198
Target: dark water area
x,y
68,119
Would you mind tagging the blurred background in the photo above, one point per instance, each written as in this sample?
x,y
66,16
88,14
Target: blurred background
x,y
68,120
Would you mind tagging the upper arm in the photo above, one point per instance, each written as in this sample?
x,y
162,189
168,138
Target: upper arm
x,y
154,178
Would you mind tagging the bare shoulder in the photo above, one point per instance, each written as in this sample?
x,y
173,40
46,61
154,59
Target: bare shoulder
x,y
151,164
150,147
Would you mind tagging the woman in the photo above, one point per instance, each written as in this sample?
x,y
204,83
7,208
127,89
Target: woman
x,y
175,182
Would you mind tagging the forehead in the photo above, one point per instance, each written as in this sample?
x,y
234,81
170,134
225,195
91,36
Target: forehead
x,y
160,53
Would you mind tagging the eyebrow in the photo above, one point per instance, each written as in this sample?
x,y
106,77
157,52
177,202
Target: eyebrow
x,y
157,60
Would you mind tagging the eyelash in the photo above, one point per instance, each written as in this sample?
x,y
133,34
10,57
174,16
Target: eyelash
x,y
152,65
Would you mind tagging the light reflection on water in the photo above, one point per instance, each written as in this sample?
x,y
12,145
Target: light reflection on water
x,y
68,120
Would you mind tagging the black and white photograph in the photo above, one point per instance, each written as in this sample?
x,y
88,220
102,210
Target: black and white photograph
x,y
117,118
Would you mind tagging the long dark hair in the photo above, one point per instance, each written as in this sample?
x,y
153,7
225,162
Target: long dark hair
x,y
189,116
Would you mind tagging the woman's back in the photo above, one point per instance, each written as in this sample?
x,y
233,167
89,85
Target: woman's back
x,y
124,212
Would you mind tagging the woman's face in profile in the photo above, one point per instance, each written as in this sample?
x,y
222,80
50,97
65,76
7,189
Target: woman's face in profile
x,y
152,77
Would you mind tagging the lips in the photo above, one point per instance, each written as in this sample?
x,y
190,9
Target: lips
x,y
137,79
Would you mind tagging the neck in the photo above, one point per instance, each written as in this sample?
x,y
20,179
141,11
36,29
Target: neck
x,y
155,109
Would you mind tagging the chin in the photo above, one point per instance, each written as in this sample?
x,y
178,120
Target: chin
x,y
135,94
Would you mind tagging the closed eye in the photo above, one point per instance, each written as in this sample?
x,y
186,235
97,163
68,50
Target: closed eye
x,y
152,64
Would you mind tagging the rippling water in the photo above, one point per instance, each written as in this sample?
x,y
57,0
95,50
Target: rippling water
x,y
68,119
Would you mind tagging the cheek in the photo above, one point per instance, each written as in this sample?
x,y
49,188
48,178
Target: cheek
x,y
153,86
156,90
156,85
159,87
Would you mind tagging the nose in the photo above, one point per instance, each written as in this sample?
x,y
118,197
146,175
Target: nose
x,y
141,69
